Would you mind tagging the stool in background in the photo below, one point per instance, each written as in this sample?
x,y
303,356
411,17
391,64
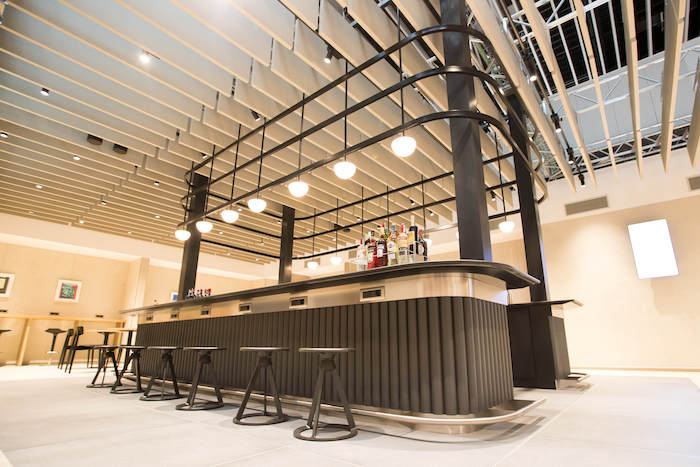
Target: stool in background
x,y
66,345
264,364
203,360
3,331
54,332
106,353
133,353
74,347
166,363
326,365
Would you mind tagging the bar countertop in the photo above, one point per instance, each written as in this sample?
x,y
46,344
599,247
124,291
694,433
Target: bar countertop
x,y
513,278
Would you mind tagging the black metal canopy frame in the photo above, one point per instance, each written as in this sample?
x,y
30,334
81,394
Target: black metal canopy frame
x,y
492,87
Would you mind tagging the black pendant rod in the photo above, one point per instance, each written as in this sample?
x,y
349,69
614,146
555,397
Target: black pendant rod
x,y
301,130
235,161
262,143
422,186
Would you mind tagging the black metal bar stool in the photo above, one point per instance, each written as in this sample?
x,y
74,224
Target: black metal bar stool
x,y
203,360
54,332
3,331
327,365
133,353
106,353
166,359
66,347
264,364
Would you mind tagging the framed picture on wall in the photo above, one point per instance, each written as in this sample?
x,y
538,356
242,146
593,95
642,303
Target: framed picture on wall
x,y
68,291
6,281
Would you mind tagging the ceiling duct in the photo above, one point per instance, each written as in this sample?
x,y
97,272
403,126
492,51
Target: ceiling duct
x,y
96,140
119,149
585,206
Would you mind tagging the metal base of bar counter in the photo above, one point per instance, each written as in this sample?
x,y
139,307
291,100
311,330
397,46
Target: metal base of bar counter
x,y
430,338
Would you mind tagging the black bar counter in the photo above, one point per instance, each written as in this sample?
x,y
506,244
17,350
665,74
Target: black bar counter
x,y
429,338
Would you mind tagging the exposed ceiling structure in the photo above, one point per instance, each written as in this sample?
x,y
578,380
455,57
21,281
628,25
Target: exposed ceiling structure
x,y
163,84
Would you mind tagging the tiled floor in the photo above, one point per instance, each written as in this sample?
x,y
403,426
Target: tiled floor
x,y
48,418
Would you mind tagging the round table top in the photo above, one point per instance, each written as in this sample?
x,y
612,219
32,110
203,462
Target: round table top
x,y
264,349
208,348
326,349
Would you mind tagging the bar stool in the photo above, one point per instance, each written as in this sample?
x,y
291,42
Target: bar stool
x,y
133,353
3,331
203,360
166,359
54,332
106,353
264,364
327,365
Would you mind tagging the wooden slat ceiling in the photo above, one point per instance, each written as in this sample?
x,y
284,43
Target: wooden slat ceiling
x,y
211,63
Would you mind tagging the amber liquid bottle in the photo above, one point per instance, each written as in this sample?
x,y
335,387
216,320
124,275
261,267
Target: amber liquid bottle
x,y
382,256
371,246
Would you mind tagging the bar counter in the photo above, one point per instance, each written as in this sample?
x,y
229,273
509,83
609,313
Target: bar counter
x,y
430,338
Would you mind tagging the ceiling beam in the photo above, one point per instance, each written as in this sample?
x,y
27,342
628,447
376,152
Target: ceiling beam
x,y
633,76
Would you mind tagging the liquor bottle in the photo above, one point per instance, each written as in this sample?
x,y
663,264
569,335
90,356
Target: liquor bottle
x,y
381,248
403,245
371,246
391,246
412,238
422,247
361,255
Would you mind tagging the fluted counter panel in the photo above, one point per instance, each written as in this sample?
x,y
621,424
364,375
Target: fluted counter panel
x,y
441,355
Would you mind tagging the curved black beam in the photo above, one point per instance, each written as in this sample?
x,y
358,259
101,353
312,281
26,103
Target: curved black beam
x,y
243,227
238,248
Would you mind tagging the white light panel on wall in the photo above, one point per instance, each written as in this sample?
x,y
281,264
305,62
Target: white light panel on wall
x,y
652,248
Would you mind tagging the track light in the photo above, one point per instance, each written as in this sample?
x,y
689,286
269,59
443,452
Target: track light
x,y
204,226
229,216
555,120
582,179
256,116
493,196
45,92
329,54
3,135
531,67
103,203
156,183
76,158
182,234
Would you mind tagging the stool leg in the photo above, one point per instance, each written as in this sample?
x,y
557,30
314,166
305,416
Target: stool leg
x,y
195,383
275,394
116,368
248,390
119,375
312,422
137,366
97,375
172,372
215,380
343,399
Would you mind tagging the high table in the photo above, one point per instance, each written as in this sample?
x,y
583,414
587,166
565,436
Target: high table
x,y
430,339
538,343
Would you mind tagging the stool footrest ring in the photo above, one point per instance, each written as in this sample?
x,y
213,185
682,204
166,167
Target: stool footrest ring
x,y
272,421
350,432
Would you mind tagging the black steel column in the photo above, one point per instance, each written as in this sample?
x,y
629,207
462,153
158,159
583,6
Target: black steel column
x,y
190,252
286,244
472,216
529,213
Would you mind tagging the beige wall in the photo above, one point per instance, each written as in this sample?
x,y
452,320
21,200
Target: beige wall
x,y
625,322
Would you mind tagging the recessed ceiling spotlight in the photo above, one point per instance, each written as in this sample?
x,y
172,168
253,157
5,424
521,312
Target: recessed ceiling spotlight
x,y
156,183
45,92
240,209
308,231
31,212
81,221
39,186
129,232
221,232
145,57
3,135
103,203
76,158
204,156
432,213
358,219
256,116
157,216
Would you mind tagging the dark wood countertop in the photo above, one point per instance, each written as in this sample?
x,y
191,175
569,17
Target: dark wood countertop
x,y
572,301
513,278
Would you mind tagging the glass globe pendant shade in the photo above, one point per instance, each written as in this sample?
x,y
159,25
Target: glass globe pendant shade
x,y
229,216
336,260
313,264
182,234
257,204
344,169
506,226
298,188
204,226
403,146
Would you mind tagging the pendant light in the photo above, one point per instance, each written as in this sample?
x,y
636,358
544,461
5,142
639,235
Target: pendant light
x,y
257,204
298,188
336,259
229,215
183,234
313,264
345,169
204,226
402,146
505,225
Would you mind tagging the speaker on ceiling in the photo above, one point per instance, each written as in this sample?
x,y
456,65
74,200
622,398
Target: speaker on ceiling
x,y
119,149
96,140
